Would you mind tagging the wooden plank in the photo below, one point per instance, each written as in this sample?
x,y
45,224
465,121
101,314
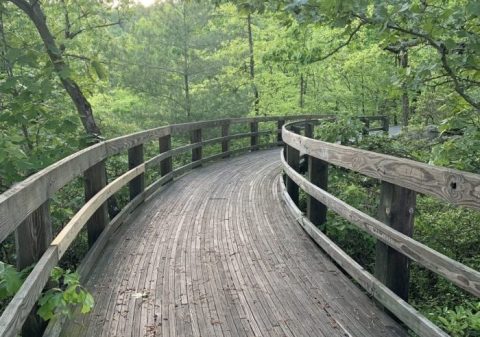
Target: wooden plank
x,y
71,230
135,158
24,300
196,137
293,159
456,187
461,275
165,145
254,139
280,124
226,142
397,209
32,238
95,179
317,175
406,313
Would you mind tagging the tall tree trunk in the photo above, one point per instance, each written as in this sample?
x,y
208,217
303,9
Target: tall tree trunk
x,y
252,65
302,91
403,59
186,80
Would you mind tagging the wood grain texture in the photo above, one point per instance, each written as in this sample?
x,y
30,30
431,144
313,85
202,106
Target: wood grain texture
x,y
205,259
456,187
397,210
401,309
461,275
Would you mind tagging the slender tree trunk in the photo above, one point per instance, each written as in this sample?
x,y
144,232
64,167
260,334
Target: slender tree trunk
x,y
252,65
403,58
302,91
186,79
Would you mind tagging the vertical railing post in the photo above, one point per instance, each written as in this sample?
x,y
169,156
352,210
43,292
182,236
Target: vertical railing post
x,y
366,125
254,137
135,158
95,179
32,238
293,160
385,124
196,137
396,209
280,124
165,145
317,175
226,142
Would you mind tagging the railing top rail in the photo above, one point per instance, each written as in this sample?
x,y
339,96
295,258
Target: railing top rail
x,y
454,186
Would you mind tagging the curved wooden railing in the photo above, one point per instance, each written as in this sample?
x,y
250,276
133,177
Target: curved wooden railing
x,y
27,199
400,180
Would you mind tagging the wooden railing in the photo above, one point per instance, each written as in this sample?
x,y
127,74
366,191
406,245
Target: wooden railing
x,y
21,205
400,180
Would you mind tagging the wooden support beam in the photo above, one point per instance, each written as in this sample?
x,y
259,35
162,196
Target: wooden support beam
x,y
32,238
196,137
385,124
135,158
226,143
280,124
254,138
318,175
165,144
95,179
397,208
293,160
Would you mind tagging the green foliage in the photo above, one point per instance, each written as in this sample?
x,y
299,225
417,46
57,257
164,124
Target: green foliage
x,y
67,295
463,321
10,280
343,130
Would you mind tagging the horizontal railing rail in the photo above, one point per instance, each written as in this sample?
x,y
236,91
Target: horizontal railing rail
x,y
400,180
19,204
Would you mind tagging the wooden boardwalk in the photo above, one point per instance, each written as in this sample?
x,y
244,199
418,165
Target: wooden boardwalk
x,y
217,253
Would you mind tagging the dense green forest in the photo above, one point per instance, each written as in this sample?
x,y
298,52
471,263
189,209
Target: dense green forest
x,y
75,72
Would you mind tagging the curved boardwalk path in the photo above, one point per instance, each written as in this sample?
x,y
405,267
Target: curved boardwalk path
x,y
217,253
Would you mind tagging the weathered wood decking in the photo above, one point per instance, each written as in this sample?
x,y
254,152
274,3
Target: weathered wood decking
x,y
217,253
